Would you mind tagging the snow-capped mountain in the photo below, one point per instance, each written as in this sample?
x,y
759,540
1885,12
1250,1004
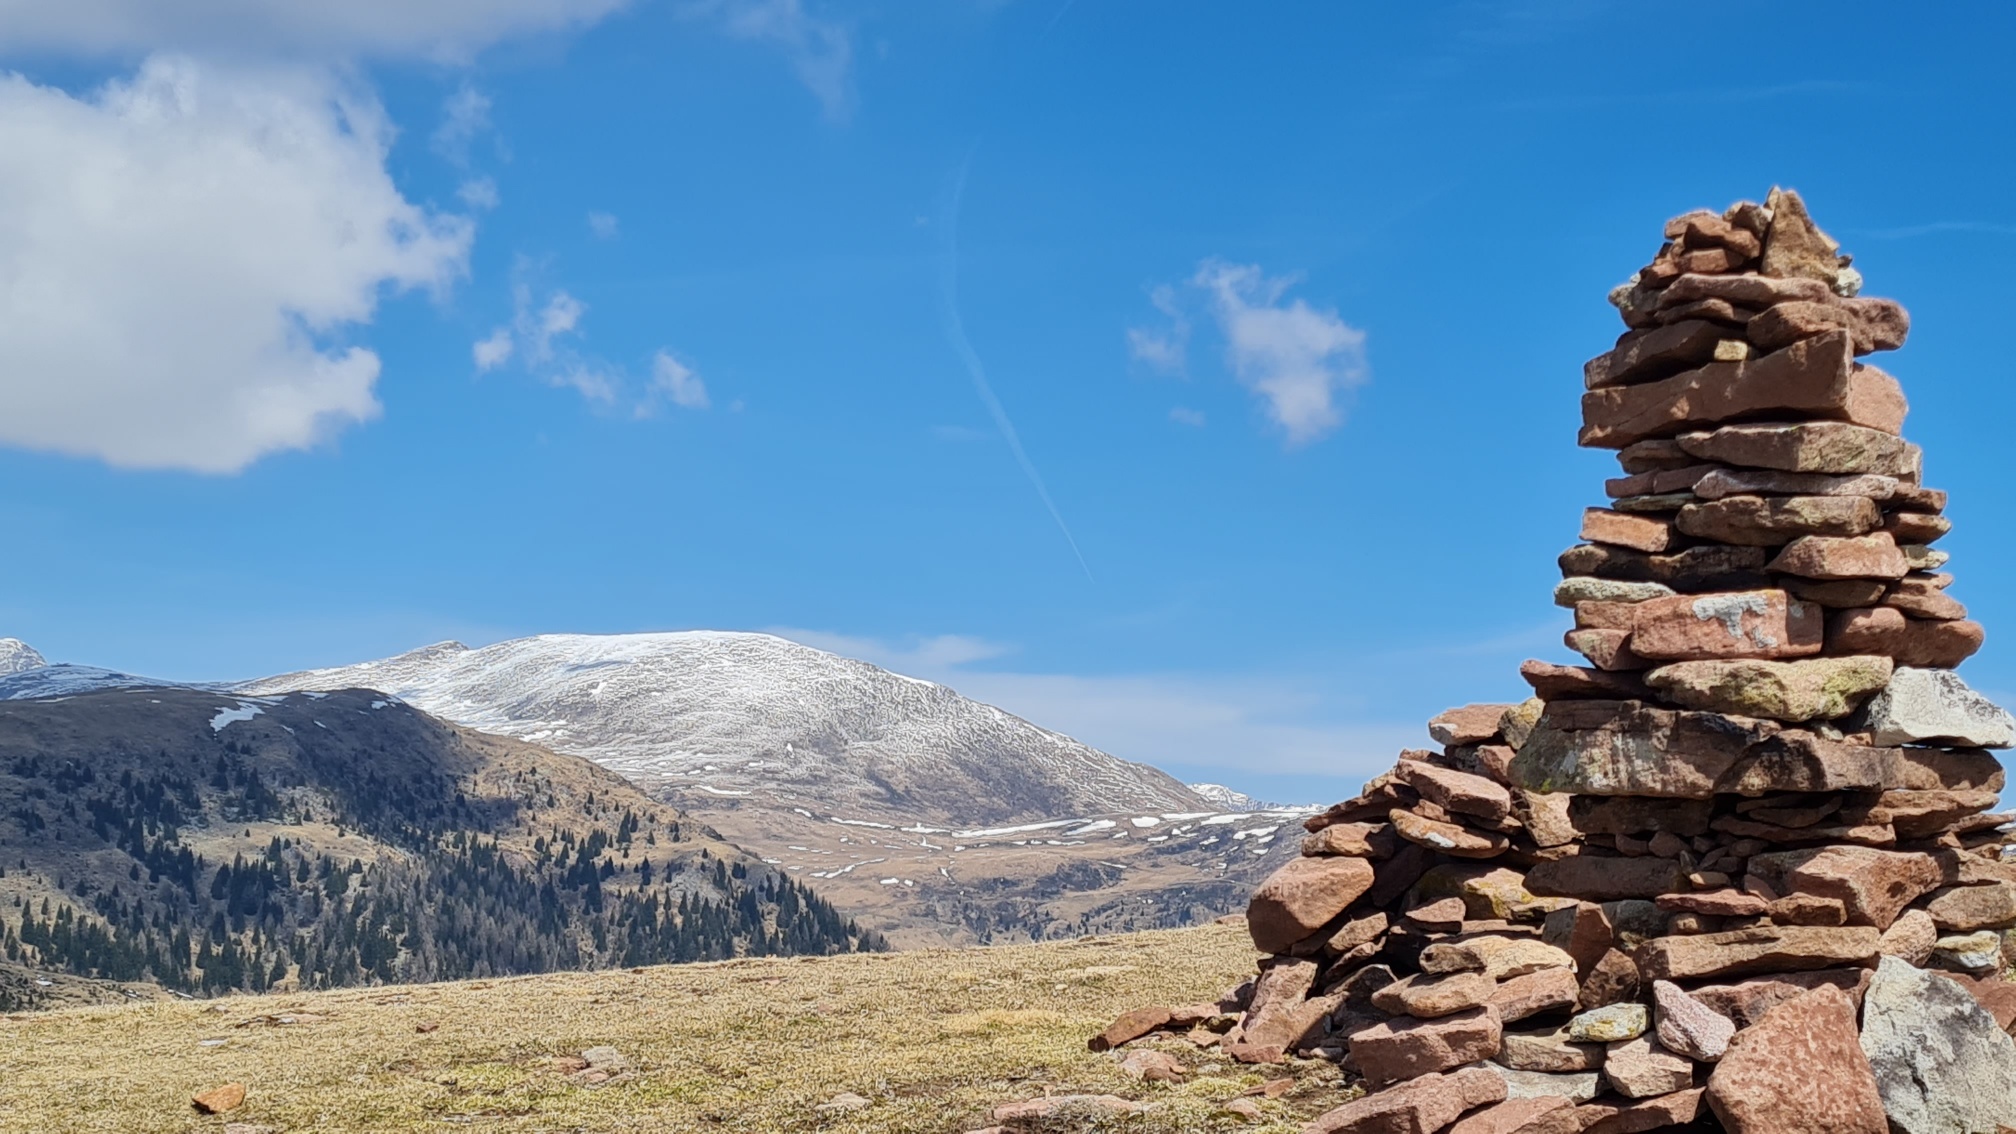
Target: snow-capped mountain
x,y
756,718
17,656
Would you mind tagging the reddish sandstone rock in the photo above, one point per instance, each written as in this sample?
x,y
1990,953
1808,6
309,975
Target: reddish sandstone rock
x,y
1795,247
1405,1048
1746,1002
1607,650
1741,624
1613,980
1760,949
1750,291
1641,533
1800,1070
1872,324
1548,1115
1467,724
1657,353
1357,840
1642,1068
1427,996
1872,556
1420,1106
1814,377
1911,641
1551,681
1835,448
1626,748
1458,792
218,1100
1964,909
1132,1025
1778,520
1874,885
1549,990
1687,1026
1449,838
1606,879
1298,899
1672,1110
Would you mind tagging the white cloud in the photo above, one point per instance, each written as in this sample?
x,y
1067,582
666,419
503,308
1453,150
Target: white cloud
x,y
441,29
602,224
494,351
544,338
675,381
181,253
821,51
478,193
1298,358
465,115
1184,415
1167,349
916,656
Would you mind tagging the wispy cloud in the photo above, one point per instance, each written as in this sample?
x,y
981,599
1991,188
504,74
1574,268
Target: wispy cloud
x,y
1165,348
544,337
602,225
465,116
1184,415
820,50
955,333
1301,360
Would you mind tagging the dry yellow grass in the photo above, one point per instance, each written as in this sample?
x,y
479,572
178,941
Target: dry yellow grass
x,y
932,1038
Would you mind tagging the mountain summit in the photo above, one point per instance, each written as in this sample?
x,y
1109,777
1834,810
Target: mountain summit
x,y
717,716
17,656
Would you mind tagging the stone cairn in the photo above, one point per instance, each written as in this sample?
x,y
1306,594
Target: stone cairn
x,y
1739,872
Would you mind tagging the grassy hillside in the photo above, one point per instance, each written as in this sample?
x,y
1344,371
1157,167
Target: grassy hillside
x,y
211,843
932,1039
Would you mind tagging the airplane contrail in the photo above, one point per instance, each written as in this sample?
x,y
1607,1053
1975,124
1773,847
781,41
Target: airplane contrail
x,y
955,332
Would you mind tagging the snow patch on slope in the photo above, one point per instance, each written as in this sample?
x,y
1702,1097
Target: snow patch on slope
x,y
726,712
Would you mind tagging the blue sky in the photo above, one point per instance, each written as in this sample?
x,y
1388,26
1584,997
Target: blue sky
x,y
336,333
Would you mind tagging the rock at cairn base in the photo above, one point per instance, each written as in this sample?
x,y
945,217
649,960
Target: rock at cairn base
x,y
1700,879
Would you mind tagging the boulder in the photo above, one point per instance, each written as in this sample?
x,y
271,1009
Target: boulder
x,y
1773,521
1709,567
1977,953
1746,1002
1630,748
1799,1071
1936,706
1641,1068
1640,533
1965,909
1532,994
1624,1117
1656,353
1724,483
1874,885
1450,838
1759,949
1687,1026
1872,556
1814,377
1832,447
1596,879
1550,1051
1614,980
1460,792
1795,247
1916,642
1134,1024
1941,1063
1426,996
1802,690
1467,724
1587,588
1576,1086
1911,938
1543,1115
1405,1048
1609,1024
1421,1106
1739,624
1872,324
219,1099
1299,898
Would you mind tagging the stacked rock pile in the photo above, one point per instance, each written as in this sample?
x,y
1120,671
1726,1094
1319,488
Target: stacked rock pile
x,y
1740,871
